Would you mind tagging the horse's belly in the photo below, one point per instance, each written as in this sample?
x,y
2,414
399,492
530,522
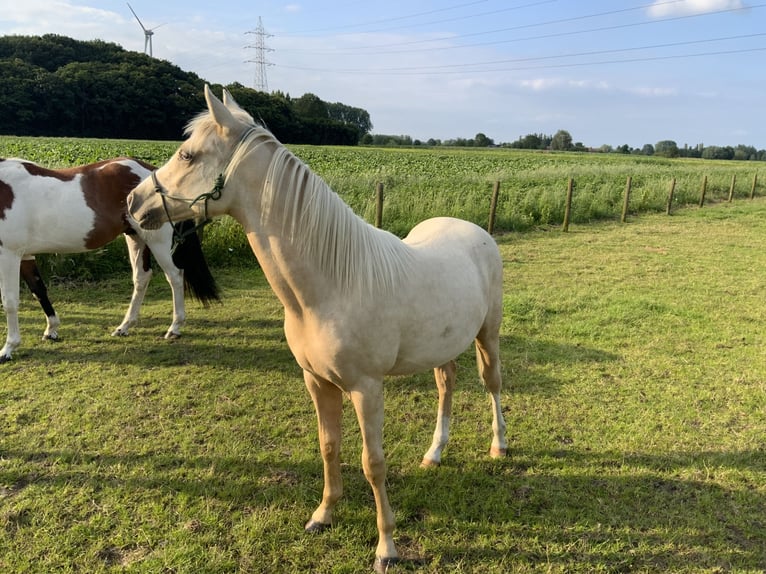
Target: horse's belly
x,y
46,223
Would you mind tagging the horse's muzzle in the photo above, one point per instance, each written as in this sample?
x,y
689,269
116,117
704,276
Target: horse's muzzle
x,y
142,213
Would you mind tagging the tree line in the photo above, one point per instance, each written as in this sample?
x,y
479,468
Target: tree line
x,y
562,141
57,86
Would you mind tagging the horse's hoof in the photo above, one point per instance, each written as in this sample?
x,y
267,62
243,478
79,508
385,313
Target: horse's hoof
x,y
316,527
119,333
428,463
382,564
4,359
51,337
498,452
170,336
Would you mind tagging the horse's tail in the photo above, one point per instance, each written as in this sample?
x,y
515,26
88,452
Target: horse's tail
x,y
188,255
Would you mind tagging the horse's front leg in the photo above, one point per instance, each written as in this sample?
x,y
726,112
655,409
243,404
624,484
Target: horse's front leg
x,y
445,383
328,402
161,243
368,402
31,276
138,255
9,289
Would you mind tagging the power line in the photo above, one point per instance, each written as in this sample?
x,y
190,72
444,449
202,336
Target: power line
x,y
356,49
374,48
450,68
397,18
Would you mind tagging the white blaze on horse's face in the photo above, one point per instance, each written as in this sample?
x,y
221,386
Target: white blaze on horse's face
x,y
178,189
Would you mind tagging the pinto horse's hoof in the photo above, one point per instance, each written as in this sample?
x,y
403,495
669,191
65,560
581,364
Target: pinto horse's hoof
x,y
54,338
428,463
383,565
498,452
4,359
316,527
170,336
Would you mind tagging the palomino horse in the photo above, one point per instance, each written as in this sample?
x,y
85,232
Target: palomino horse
x,y
79,209
359,302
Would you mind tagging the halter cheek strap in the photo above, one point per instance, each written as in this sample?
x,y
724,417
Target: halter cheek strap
x,y
178,236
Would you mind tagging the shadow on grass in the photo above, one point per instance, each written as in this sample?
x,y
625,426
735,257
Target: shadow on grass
x,y
577,510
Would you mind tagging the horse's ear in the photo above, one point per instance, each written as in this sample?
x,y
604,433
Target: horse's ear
x,y
230,102
220,113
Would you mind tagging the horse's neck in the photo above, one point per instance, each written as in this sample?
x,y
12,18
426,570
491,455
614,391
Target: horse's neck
x,y
311,245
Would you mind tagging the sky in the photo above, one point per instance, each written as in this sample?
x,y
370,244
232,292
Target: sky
x,y
609,72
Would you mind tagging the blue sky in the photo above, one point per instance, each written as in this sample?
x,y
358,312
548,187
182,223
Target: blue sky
x,y
627,72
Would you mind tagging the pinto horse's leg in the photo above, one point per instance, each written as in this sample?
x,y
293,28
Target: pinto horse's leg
x,y
142,273
161,244
488,360
9,290
31,276
328,402
367,398
445,383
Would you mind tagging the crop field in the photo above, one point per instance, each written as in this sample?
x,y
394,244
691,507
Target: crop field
x,y
422,182
634,392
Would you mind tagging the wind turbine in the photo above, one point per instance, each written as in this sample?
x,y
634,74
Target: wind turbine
x,y
148,32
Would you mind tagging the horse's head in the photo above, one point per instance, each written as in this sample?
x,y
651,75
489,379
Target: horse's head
x,y
191,184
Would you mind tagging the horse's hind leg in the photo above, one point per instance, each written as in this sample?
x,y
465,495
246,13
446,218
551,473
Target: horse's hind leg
x,y
445,383
9,290
488,360
142,273
31,276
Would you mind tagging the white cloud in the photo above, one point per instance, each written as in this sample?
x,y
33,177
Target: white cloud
x,y
664,8
541,84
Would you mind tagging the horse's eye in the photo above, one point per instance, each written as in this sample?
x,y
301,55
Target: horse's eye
x,y
184,155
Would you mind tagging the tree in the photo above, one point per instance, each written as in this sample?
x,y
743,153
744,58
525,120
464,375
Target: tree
x,y
648,149
482,140
666,148
310,106
356,117
562,141
57,86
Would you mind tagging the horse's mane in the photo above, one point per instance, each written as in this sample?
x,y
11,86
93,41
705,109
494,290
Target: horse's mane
x,y
361,259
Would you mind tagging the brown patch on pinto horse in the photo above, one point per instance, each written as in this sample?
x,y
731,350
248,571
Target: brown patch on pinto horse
x,y
105,184
102,188
6,199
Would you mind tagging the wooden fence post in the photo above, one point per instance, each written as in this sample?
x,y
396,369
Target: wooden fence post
x,y
379,206
704,189
670,195
568,205
626,200
731,187
493,207
752,189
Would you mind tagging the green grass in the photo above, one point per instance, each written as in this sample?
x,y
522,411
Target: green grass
x,y
634,395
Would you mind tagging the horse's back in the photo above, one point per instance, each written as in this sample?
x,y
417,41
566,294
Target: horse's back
x,y
64,210
459,243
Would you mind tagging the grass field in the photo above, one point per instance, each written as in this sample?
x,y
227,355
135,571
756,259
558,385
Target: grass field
x,y
634,394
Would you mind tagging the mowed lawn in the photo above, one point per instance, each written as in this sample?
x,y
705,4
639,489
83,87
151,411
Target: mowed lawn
x,y
635,396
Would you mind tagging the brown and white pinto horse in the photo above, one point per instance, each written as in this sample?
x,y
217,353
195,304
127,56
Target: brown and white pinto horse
x,y
80,209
